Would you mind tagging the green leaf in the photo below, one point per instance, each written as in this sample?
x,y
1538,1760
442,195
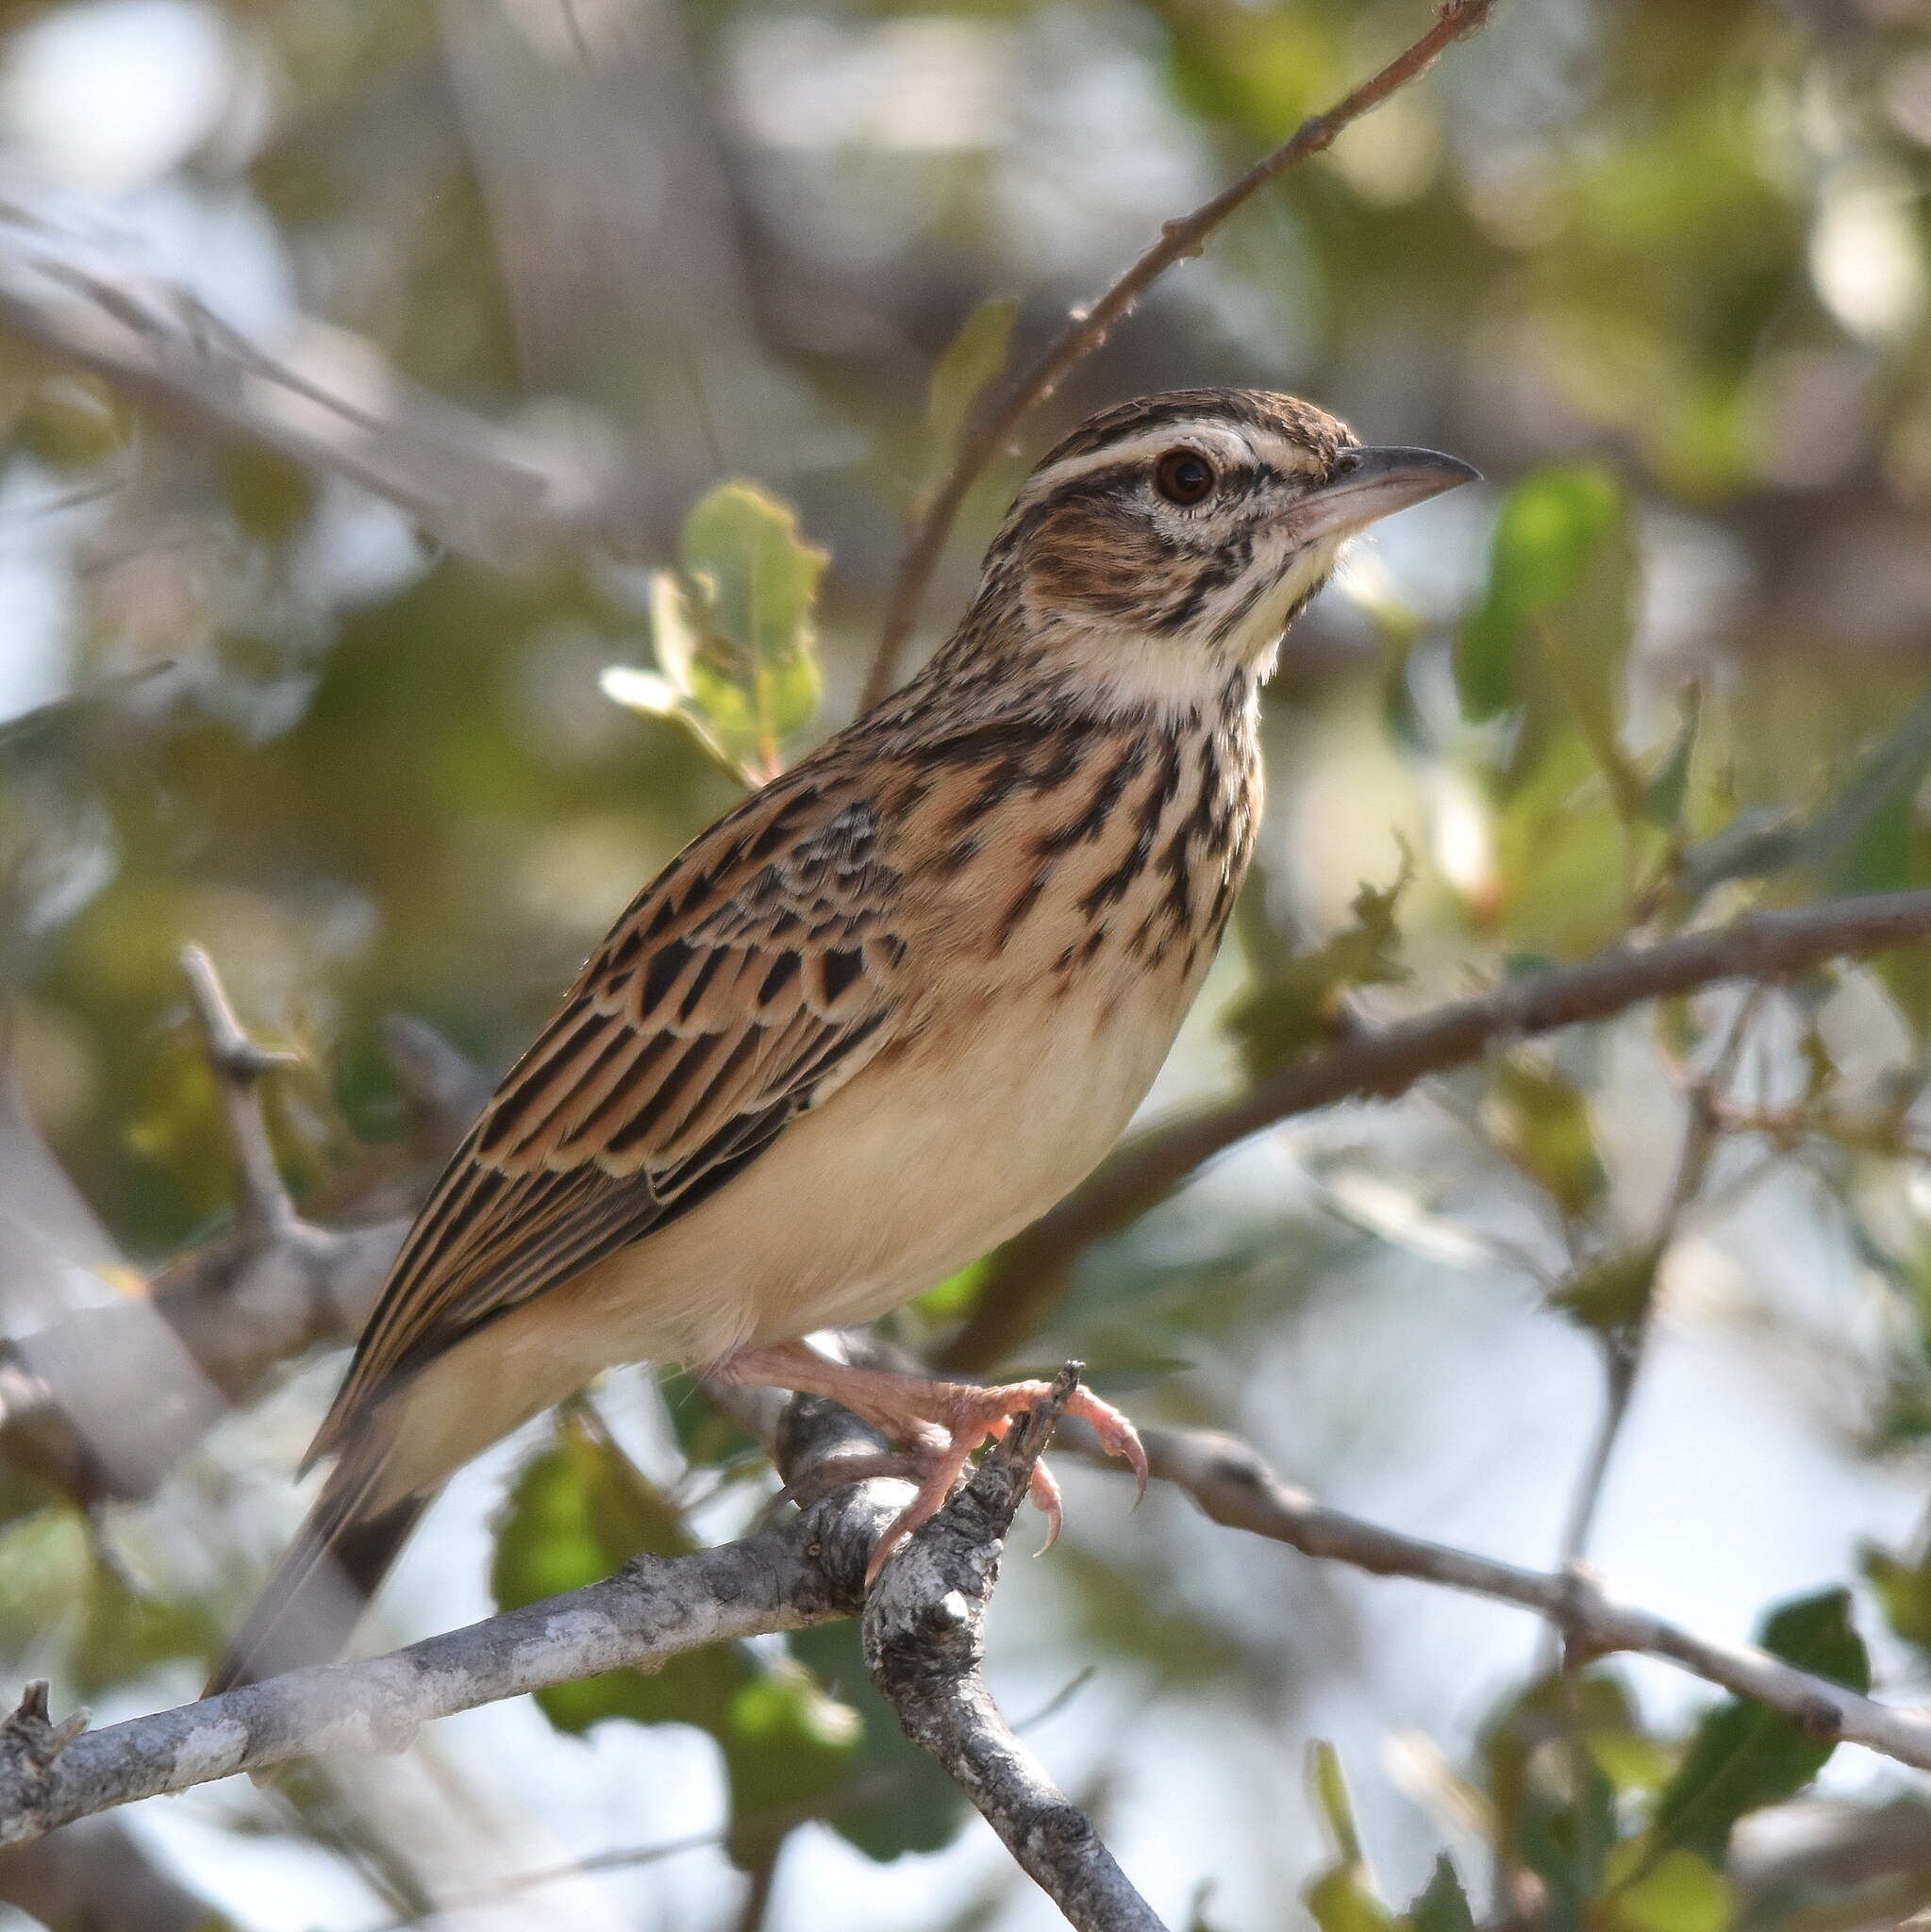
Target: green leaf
x,y
1560,1825
1341,1899
973,360
1442,1905
1903,1592
1744,1755
732,632
577,1512
1295,1006
904,1801
954,1297
1542,1121
1669,785
1612,1295
1680,1892
1555,527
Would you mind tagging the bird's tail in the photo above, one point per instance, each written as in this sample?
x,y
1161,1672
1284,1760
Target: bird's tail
x,y
310,1607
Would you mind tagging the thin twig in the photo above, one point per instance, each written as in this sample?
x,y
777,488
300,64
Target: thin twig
x,y
266,1207
476,485
1624,1353
1234,1486
988,427
1029,1272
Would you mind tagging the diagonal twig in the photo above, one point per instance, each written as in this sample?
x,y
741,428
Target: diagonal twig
x,y
989,425
1234,1487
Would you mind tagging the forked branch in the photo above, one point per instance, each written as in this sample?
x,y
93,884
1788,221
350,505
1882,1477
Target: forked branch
x,y
924,1644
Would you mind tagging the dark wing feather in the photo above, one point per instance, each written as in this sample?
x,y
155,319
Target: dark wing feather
x,y
751,978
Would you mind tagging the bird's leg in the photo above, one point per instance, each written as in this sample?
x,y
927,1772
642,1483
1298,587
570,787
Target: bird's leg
x,y
942,1425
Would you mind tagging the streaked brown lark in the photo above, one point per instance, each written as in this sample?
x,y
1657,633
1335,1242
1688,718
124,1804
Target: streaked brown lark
x,y
887,1012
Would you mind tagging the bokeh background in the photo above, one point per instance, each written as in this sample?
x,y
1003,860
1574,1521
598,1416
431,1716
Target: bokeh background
x,y
1660,267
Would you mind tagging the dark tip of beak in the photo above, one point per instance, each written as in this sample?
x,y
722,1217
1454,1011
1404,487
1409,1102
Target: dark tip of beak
x,y
1366,485
1426,471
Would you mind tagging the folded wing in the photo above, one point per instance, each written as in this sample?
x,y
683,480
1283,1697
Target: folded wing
x,y
747,983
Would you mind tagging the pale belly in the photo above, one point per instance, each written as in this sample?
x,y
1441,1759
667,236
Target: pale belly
x,y
896,1182
918,1167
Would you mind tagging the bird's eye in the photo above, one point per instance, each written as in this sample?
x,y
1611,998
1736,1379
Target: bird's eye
x,y
1183,477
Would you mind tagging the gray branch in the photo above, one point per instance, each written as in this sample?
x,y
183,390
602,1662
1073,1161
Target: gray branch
x,y
922,1626
810,1570
1234,1486
282,1281
327,401
924,1643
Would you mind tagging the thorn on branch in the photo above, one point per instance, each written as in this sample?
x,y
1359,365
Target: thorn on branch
x,y
238,1063
31,1742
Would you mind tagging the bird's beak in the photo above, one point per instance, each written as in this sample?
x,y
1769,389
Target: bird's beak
x,y
1366,485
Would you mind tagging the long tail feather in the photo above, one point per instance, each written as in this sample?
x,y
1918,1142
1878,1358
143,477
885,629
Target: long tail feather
x,y
310,1605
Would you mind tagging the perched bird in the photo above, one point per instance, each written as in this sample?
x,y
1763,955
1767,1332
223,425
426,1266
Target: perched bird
x,y
884,1012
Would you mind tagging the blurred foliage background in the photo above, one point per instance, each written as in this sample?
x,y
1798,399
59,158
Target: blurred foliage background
x,y
1658,266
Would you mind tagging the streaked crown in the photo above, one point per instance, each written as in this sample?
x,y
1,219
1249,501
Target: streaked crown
x,y
1198,522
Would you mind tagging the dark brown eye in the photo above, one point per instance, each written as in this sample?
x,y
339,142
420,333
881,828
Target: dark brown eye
x,y
1183,477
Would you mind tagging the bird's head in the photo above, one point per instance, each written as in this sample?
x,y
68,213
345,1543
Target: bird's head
x,y
1167,543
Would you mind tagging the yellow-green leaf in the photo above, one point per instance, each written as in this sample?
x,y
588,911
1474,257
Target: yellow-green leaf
x,y
1679,1893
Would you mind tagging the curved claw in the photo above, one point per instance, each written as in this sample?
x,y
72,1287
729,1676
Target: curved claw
x,y
1118,1437
1045,1494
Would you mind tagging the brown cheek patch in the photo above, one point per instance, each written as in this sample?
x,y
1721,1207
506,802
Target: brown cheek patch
x,y
1107,566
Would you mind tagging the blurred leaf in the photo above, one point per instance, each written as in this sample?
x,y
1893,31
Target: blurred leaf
x,y
706,1435
1613,1294
1743,1755
1669,785
737,659
1903,1590
1556,528
1680,1892
577,1512
1442,1905
917,1807
953,1299
1126,1606
1561,1830
127,1632
1341,1899
1542,1121
1296,1006
974,359
1859,839
652,695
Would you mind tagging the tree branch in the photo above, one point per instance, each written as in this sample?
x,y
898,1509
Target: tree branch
x,y
1234,1486
810,1571
988,427
478,487
924,1644
105,1400
1030,1271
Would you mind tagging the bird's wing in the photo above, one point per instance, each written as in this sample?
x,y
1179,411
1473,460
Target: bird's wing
x,y
753,977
